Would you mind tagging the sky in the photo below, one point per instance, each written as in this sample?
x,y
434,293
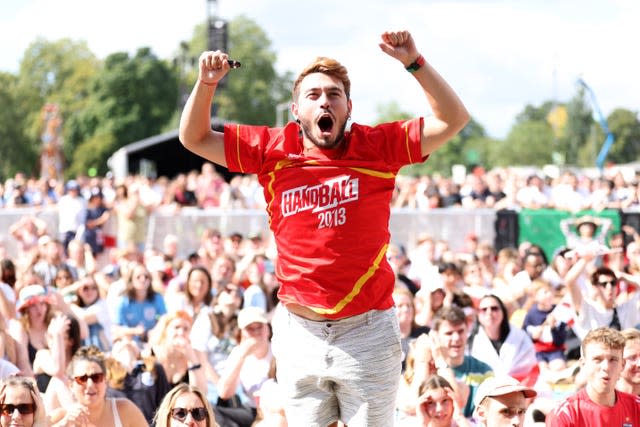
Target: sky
x,y
499,56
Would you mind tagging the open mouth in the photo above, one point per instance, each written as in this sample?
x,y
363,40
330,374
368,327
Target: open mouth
x,y
325,123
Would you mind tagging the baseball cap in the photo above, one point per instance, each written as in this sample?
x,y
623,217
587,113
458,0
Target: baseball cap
x,y
499,386
73,185
251,315
32,294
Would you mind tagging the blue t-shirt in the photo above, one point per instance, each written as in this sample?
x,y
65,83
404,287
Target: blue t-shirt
x,y
472,372
132,313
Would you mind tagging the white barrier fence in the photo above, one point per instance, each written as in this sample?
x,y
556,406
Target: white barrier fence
x,y
450,224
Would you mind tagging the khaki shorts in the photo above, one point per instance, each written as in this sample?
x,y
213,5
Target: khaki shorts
x,y
346,370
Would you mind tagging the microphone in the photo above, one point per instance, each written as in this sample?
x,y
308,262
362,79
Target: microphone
x,y
233,63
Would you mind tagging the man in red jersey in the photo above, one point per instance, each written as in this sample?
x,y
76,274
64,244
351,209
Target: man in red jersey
x,y
336,338
599,403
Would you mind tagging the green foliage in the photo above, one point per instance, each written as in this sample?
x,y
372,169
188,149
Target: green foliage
x,y
579,125
17,153
250,95
528,143
131,98
92,153
625,127
50,72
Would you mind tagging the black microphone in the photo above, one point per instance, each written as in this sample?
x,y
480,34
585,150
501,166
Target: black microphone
x,y
233,63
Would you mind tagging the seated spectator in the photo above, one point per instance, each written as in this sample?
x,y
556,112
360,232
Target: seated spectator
x,y
507,349
629,381
140,379
138,308
442,351
599,306
19,393
438,406
399,262
599,402
196,296
405,311
214,336
86,375
184,405
246,369
502,401
89,305
63,339
171,345
547,332
35,335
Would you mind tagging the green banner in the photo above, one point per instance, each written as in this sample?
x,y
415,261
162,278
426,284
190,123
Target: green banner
x,y
542,226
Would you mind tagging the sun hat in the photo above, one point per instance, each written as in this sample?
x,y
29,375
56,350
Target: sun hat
x,y
32,294
499,386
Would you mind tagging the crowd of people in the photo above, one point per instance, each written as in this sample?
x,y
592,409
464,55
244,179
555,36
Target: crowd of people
x,y
499,188
135,322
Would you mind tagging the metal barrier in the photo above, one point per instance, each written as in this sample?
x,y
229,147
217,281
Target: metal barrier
x,y
450,224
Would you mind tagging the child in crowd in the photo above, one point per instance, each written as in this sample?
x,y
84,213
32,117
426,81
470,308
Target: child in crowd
x,y
547,332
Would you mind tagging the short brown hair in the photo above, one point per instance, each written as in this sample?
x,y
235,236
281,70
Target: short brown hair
x,y
452,314
606,336
327,66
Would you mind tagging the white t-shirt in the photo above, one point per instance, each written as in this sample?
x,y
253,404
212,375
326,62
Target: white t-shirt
x,y
592,316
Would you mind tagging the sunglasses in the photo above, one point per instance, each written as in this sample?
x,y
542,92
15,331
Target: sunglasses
x,y
493,308
23,408
96,378
181,414
604,283
89,288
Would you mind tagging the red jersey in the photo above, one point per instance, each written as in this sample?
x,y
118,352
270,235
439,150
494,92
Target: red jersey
x,y
329,209
580,411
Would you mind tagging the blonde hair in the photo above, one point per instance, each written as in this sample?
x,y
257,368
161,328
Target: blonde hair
x,y
606,336
327,66
163,414
39,416
631,334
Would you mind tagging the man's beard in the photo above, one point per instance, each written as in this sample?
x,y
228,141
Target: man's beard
x,y
323,144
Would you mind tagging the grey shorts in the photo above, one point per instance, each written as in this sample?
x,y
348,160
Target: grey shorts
x,y
346,370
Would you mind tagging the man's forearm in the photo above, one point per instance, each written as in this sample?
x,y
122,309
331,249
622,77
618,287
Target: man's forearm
x,y
449,112
195,122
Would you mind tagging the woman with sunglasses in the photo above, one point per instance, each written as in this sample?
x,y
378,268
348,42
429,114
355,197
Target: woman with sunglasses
x,y
20,403
505,347
88,404
185,405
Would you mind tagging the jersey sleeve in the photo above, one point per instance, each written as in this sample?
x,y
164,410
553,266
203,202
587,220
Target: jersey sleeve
x,y
244,147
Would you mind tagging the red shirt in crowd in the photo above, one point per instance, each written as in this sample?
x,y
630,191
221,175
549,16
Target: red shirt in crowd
x,y
580,411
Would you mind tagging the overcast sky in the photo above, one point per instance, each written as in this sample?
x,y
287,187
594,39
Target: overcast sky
x,y
498,55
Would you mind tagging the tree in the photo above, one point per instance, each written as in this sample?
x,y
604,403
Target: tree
x,y
625,127
17,153
51,72
131,98
528,143
579,126
251,94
